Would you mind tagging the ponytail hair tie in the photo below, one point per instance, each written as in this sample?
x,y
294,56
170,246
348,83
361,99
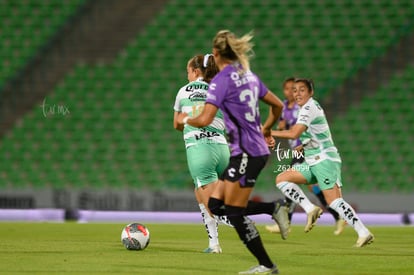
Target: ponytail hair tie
x,y
205,61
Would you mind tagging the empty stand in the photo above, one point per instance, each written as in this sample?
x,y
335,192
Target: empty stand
x,y
25,27
375,137
119,129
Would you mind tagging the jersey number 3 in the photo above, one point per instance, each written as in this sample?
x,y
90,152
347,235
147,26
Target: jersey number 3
x,y
251,98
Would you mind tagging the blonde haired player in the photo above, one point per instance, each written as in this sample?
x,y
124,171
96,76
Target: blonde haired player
x,y
236,91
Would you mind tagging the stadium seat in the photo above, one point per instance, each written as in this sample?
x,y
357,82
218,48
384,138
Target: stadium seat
x,y
28,26
389,156
119,131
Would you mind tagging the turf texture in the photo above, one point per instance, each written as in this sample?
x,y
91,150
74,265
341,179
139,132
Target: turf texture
x,y
95,248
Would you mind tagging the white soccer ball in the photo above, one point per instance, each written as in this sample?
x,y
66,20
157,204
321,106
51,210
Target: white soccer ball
x,y
135,236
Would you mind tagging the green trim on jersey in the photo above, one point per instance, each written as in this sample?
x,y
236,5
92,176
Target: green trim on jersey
x,y
191,100
317,138
319,120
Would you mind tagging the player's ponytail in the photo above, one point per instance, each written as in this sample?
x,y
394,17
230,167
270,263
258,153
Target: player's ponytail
x,y
210,68
234,48
206,65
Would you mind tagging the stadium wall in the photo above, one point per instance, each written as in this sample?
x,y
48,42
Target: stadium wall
x,y
169,200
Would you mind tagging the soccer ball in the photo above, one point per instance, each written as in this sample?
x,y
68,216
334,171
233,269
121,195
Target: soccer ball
x,y
135,236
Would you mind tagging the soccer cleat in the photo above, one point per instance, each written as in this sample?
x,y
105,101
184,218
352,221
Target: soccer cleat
x,y
215,250
280,215
340,226
363,241
312,217
273,228
261,269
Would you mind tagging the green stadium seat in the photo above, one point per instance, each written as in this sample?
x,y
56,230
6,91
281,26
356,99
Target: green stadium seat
x,y
120,130
24,30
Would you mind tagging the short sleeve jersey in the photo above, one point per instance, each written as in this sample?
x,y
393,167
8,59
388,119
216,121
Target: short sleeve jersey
x,y
290,115
317,139
191,99
237,95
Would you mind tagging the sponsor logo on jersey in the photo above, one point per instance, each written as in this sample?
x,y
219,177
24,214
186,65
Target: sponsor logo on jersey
x,y
304,118
206,134
211,97
244,79
197,96
196,86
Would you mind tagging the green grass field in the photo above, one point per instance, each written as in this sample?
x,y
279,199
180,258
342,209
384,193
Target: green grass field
x,y
95,248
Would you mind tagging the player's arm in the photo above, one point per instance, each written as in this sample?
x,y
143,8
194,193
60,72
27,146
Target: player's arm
x,y
281,125
276,106
205,118
177,125
292,133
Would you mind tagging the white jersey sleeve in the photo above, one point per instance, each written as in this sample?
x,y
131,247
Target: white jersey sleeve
x,y
177,104
307,113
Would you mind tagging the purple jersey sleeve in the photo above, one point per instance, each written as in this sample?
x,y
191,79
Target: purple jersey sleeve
x,y
262,89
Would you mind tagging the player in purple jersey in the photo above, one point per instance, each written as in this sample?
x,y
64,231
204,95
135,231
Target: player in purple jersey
x,y
290,112
287,120
236,91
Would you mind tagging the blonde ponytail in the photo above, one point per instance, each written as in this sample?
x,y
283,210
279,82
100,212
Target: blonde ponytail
x,y
233,48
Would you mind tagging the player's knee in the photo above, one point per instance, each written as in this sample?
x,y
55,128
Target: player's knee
x,y
279,178
288,175
216,206
233,211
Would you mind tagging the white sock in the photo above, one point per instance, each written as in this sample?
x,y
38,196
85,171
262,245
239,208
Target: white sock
x,y
223,220
348,214
211,226
295,193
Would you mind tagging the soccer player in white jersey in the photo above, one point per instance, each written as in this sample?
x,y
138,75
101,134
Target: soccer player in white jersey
x,y
207,149
322,164
287,120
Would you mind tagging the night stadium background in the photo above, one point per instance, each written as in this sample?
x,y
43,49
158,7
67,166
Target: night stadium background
x,y
87,88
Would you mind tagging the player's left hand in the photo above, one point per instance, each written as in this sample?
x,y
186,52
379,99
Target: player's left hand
x,y
270,142
265,131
